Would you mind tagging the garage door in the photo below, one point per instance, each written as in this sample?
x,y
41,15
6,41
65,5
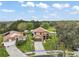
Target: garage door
x,y
9,43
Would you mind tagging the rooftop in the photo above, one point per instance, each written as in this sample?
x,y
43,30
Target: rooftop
x,y
40,29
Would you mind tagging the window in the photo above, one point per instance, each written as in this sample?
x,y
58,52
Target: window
x,y
35,33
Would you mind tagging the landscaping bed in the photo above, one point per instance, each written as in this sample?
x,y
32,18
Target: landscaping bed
x,y
27,45
3,52
51,43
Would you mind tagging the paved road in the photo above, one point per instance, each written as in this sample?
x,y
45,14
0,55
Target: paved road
x,y
13,51
39,48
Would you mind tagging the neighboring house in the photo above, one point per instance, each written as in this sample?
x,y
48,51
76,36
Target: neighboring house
x,y
40,34
9,38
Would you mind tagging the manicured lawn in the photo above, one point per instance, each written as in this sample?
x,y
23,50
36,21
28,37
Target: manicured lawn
x,y
27,46
3,52
50,43
51,29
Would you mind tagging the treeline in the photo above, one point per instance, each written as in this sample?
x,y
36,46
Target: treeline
x,y
68,34
22,25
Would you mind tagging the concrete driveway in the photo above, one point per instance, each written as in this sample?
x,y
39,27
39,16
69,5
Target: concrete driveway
x,y
39,48
13,51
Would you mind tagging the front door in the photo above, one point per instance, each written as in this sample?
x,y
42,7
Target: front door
x,y
37,39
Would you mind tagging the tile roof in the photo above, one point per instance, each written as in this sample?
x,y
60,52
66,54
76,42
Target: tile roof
x,y
40,29
12,35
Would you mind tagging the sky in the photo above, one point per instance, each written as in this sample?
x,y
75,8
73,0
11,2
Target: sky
x,y
39,10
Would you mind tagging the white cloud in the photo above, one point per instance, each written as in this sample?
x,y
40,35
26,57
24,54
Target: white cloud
x,y
56,5
52,14
28,4
31,11
0,3
60,6
42,5
45,17
21,1
7,10
74,12
34,17
75,7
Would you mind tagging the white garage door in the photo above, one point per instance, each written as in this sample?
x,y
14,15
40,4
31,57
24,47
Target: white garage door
x,y
9,43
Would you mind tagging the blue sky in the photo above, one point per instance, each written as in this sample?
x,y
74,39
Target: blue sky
x,y
39,10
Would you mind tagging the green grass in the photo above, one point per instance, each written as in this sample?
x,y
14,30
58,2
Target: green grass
x,y
27,46
50,43
3,52
51,29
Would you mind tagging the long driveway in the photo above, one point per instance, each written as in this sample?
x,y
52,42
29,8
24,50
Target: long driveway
x,y
13,51
39,48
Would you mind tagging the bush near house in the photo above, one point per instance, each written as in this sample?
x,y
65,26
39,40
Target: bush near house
x,y
51,43
27,45
3,52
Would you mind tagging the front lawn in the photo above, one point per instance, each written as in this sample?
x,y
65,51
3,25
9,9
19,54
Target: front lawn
x,y
27,46
51,43
51,29
3,52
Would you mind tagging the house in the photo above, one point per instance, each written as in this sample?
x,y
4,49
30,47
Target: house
x,y
40,34
9,38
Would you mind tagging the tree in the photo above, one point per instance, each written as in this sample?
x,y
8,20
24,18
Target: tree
x,y
14,25
67,33
22,26
45,25
3,28
30,26
36,24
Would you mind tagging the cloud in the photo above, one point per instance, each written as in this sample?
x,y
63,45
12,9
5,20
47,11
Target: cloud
x,y
52,14
45,17
0,3
31,4
31,11
74,12
75,7
7,10
61,6
42,5
27,4
21,1
34,17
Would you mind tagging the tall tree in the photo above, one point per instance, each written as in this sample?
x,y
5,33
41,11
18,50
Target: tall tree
x,y
36,24
22,26
30,26
14,25
45,25
67,32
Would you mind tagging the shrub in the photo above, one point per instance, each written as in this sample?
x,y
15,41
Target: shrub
x,y
19,42
60,54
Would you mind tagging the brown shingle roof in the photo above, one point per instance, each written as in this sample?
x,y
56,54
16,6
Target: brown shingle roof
x,y
40,29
